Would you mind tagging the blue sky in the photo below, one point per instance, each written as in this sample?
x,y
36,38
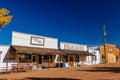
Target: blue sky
x,y
75,21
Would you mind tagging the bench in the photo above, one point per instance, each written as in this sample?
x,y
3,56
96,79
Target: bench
x,y
21,67
50,65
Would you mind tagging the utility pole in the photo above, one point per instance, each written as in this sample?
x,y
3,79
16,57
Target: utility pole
x,y
104,38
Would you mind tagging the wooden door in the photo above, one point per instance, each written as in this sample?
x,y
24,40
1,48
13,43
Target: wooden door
x,y
111,58
34,59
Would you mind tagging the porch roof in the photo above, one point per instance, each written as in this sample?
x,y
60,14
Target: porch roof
x,y
77,52
33,50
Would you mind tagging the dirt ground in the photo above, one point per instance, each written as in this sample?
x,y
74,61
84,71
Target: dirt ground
x,y
99,72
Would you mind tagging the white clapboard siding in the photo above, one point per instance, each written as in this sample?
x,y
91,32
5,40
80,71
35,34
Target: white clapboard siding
x,y
23,39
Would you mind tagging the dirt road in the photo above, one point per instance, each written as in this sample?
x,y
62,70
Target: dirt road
x,y
102,72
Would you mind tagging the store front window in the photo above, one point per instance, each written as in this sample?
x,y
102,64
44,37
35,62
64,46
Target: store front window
x,y
24,58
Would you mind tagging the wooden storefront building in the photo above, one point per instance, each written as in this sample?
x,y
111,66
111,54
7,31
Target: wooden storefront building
x,y
28,51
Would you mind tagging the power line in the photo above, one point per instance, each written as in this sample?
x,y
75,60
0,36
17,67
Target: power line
x,y
34,25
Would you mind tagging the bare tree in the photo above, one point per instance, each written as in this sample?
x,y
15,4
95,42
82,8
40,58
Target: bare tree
x,y
5,18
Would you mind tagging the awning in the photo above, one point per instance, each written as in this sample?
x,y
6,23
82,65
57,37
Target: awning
x,y
33,50
72,52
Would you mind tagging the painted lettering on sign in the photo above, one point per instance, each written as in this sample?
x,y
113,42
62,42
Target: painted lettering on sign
x,y
74,47
37,41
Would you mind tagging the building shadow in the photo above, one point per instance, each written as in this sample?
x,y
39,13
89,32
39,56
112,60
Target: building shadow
x,y
103,69
34,78
37,78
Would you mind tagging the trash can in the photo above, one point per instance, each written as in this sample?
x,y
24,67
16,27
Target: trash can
x,y
65,64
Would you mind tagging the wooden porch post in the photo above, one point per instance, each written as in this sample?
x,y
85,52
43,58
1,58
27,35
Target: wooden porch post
x,y
82,58
79,60
68,60
37,60
31,62
41,59
88,60
74,58
92,60
18,60
62,60
31,58
48,61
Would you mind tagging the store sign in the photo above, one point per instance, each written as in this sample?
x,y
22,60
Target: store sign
x,y
37,41
74,47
